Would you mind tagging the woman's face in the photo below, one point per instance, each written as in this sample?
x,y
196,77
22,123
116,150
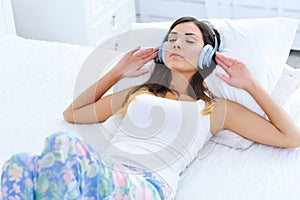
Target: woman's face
x,y
183,48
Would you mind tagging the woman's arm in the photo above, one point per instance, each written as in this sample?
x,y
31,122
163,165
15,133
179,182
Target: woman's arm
x,y
279,130
90,106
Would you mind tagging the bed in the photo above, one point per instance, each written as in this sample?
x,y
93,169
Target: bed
x,y
38,80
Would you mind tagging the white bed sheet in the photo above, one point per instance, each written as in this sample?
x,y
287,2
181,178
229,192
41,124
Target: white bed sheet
x,y
259,173
36,84
37,80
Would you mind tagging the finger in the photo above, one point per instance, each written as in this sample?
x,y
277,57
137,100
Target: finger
x,y
151,50
138,72
223,65
134,50
142,71
144,52
229,60
224,78
147,53
150,57
226,60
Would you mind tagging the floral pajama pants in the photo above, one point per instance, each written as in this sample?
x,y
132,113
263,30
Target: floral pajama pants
x,y
69,169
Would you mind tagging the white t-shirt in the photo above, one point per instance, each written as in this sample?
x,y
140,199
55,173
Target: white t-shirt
x,y
161,135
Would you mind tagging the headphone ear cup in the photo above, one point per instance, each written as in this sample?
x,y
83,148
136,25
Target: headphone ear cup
x,y
206,56
162,52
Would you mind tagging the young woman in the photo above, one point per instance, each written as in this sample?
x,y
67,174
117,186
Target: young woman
x,y
163,124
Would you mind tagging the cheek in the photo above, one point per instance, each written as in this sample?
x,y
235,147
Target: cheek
x,y
192,57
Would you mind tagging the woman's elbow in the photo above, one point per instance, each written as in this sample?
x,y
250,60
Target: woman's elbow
x,y
294,141
293,145
68,115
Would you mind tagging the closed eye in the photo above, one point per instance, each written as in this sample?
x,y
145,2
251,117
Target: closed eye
x,y
191,42
172,40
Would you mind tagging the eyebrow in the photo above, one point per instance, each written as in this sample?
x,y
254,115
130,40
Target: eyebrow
x,y
193,34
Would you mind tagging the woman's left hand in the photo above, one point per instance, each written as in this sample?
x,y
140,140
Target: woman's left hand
x,y
238,74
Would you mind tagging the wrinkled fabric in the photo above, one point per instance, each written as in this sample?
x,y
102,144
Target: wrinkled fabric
x,y
69,169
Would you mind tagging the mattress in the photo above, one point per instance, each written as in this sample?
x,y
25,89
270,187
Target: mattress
x,y
37,84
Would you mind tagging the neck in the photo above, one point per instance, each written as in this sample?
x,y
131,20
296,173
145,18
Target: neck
x,y
180,82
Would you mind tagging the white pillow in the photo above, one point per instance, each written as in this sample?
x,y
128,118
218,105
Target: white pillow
x,y
285,92
288,83
263,44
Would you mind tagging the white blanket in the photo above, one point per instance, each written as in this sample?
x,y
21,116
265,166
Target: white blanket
x,y
37,80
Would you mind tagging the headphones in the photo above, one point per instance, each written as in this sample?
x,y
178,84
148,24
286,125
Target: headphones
x,y
205,58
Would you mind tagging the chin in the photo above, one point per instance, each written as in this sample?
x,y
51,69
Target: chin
x,y
180,67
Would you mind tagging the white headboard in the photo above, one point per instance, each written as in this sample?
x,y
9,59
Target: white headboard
x,y
7,25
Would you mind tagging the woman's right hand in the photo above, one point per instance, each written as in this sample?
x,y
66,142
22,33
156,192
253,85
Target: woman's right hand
x,y
130,65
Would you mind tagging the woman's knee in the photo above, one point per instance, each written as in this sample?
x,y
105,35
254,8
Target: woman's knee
x,y
64,144
59,141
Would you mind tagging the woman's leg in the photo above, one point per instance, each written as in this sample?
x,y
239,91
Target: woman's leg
x,y
75,170
68,169
18,177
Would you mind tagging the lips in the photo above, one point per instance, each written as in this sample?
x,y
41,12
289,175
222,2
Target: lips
x,y
175,55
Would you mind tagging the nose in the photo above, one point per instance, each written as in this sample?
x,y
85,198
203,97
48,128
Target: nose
x,y
177,44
